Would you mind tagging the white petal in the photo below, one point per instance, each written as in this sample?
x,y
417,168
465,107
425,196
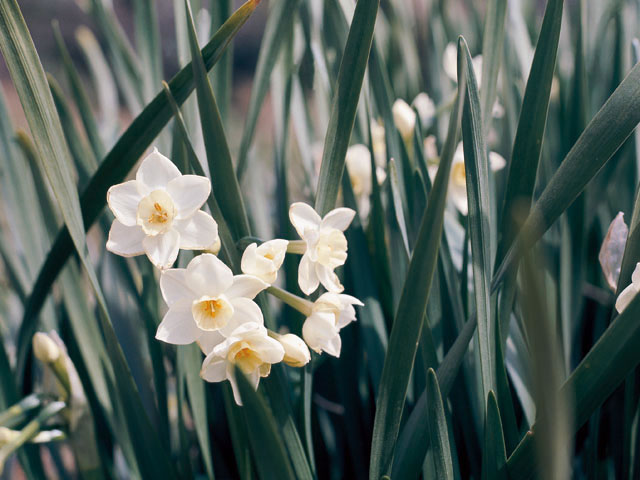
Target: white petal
x,y
124,240
270,350
328,278
458,195
156,171
303,217
635,276
496,161
450,61
339,218
174,287
189,192
307,278
333,346
246,286
197,232
244,311
318,330
123,200
625,298
214,370
209,340
162,249
207,275
177,326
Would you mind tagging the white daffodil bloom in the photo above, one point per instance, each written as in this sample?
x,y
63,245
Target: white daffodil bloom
x,y
629,293
457,190
207,302
265,260
250,348
379,144
425,107
159,213
358,161
296,352
330,313
325,245
404,118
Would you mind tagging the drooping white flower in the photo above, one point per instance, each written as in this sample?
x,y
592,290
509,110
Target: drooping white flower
x,y
296,352
265,260
425,108
251,349
404,118
325,245
457,190
159,213
612,250
358,161
207,302
330,313
628,294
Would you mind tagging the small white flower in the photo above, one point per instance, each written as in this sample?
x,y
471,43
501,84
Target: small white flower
x,y
207,302
450,64
330,313
159,213
265,260
326,245
458,180
45,348
425,107
379,144
358,161
251,349
296,352
629,293
404,118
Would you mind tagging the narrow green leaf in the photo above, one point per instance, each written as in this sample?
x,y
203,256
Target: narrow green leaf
x,y
492,48
411,310
438,429
279,23
223,178
266,444
604,135
494,456
345,103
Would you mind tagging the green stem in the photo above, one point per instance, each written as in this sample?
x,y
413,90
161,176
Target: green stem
x,y
298,247
302,305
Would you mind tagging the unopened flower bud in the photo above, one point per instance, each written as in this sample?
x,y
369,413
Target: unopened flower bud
x,y
45,349
404,118
296,352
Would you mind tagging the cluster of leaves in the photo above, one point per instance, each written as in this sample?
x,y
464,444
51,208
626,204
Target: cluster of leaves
x,y
487,346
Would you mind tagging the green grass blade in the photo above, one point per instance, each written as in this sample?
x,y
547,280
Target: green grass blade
x,y
266,444
604,135
492,48
494,456
223,178
411,310
477,174
438,429
345,103
276,31
123,156
533,119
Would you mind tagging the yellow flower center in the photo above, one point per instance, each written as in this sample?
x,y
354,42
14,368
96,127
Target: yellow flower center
x,y
244,356
156,212
331,249
211,313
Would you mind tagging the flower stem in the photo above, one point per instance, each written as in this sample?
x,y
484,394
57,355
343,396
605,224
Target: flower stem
x,y
302,305
297,247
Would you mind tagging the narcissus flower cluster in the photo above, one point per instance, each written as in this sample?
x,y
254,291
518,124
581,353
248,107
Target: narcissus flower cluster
x,y
159,213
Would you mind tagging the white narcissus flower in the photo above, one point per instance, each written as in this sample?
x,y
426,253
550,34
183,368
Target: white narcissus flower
x,y
325,245
250,348
628,294
207,302
159,213
404,118
358,161
425,107
265,260
296,352
458,180
330,313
